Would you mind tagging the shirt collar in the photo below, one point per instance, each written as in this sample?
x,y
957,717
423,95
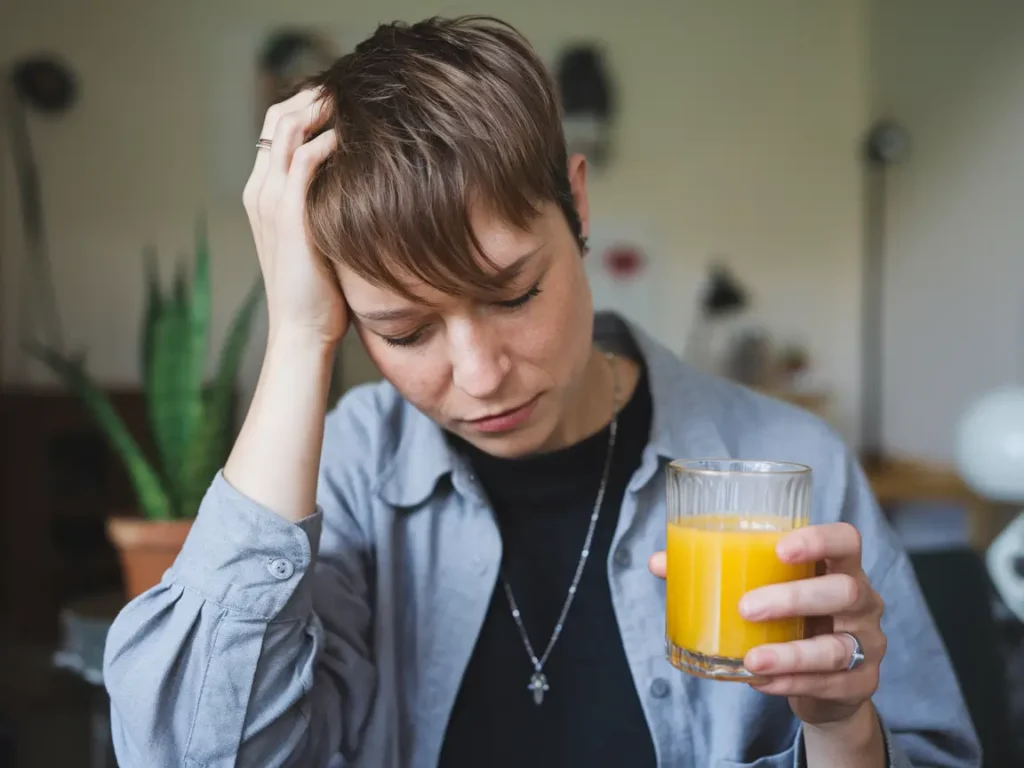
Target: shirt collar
x,y
682,424
421,458
682,421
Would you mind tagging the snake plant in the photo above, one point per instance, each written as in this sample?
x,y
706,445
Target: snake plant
x,y
190,417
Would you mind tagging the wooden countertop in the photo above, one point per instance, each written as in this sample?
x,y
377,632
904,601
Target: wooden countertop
x,y
901,480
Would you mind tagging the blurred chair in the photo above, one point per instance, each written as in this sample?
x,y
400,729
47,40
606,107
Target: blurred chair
x,y
85,625
958,590
960,596
7,753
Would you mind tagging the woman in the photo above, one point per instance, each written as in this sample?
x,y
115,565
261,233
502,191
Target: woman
x,y
452,567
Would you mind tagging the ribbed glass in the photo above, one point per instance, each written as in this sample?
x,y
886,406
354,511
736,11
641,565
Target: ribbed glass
x,y
725,518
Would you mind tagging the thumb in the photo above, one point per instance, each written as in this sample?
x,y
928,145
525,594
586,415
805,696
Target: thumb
x,y
657,564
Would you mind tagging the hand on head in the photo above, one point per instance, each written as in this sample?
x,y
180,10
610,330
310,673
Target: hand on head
x,y
303,296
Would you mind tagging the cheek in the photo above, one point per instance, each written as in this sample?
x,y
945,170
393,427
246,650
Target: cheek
x,y
559,332
543,339
419,376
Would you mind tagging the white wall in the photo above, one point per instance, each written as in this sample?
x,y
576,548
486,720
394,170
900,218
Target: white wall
x,y
738,136
953,73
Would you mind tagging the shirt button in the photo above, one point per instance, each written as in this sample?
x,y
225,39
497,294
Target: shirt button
x,y
622,557
659,688
281,569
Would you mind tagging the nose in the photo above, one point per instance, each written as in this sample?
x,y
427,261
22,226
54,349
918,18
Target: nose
x,y
479,362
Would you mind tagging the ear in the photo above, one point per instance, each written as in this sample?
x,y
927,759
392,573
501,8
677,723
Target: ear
x,y
578,184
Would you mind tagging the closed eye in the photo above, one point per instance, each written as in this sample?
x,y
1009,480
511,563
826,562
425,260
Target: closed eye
x,y
416,336
520,300
405,341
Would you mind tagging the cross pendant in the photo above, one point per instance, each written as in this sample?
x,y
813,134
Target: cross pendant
x,y
539,685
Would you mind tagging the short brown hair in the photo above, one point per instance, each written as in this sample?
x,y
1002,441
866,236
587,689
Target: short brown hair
x,y
434,118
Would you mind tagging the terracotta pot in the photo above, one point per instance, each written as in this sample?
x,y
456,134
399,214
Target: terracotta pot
x,y
146,549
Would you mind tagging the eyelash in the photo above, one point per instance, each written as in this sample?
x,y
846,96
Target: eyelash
x,y
403,341
521,300
511,304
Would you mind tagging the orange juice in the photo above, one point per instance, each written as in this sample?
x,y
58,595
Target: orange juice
x,y
713,560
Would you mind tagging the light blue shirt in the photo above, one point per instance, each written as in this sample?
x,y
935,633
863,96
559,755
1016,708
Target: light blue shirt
x,y
345,636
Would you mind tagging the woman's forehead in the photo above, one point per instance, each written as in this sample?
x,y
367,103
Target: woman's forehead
x,y
362,290
499,255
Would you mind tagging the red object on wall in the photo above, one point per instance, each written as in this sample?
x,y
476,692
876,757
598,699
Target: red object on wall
x,y
623,262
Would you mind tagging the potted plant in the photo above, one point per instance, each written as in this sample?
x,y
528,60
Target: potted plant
x,y
191,417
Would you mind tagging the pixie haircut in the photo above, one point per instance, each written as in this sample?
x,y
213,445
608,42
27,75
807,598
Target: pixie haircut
x,y
436,119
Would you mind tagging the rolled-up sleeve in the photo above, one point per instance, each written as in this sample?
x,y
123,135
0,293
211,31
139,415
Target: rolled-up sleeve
x,y
921,709
227,661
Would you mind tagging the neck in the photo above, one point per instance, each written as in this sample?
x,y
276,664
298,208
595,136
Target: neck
x,y
591,408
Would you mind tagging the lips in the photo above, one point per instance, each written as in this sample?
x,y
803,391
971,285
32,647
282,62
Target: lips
x,y
506,420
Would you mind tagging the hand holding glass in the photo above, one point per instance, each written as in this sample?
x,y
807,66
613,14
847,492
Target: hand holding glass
x,y
725,518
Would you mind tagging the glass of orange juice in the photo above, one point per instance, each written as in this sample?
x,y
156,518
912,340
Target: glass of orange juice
x,y
725,517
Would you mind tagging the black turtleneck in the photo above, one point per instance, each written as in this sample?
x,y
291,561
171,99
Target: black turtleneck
x,y
591,716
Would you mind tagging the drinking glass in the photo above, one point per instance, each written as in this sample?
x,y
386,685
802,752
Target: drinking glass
x,y
725,517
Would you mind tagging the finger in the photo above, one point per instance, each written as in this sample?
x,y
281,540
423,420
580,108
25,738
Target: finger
x,y
839,687
303,100
831,595
305,161
300,101
827,653
658,564
291,134
292,131
838,543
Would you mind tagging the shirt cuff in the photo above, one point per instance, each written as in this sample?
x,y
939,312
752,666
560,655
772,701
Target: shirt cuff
x,y
248,559
893,758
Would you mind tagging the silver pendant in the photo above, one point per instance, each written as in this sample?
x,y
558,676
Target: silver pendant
x,y
538,680
539,685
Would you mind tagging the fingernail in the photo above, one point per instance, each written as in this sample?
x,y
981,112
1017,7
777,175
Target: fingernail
x,y
761,660
788,550
750,607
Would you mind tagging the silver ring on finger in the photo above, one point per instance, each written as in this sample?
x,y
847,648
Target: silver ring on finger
x,y
857,656
263,144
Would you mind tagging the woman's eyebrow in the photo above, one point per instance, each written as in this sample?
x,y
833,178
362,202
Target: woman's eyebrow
x,y
512,271
384,315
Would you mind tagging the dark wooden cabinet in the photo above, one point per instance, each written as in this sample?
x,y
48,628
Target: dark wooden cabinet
x,y
59,480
